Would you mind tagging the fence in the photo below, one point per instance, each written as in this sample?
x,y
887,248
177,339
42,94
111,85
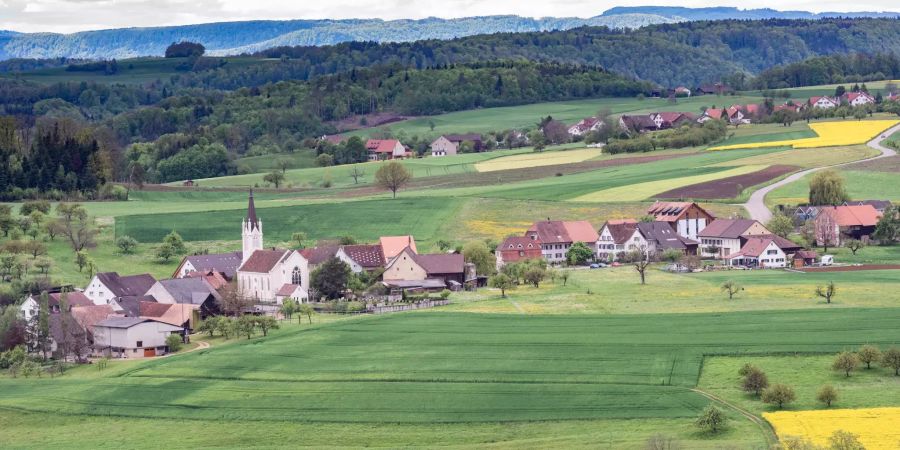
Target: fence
x,y
408,307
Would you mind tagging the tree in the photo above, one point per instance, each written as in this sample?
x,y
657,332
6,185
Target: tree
x,y
868,354
209,326
827,292
503,282
779,394
226,327
755,381
174,342
712,419
81,260
305,310
266,323
827,394
330,278
288,308
854,245
176,242
845,362
392,176
356,173
672,255
477,252
77,226
780,225
827,188
891,358
825,230
165,252
126,244
887,229
299,239
844,440
233,301
283,164
534,275
578,254
641,263
443,245
731,287
275,177
246,325
36,249
43,324
185,49
564,276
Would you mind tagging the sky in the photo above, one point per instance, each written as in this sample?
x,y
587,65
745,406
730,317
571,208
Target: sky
x,y
67,16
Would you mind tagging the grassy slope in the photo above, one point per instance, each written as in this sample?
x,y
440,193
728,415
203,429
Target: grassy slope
x,y
861,185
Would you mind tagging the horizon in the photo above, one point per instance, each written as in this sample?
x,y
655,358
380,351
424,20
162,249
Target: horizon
x,y
55,16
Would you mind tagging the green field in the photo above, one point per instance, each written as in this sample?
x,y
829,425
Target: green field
x,y
254,164
861,185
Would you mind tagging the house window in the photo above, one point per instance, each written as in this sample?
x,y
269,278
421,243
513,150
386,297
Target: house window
x,y
296,276
139,344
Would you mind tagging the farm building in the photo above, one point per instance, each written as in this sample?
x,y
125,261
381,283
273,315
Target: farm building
x,y
660,237
107,287
858,98
618,236
762,252
188,291
824,102
434,269
225,263
132,337
557,236
360,258
727,235
836,224
585,126
517,248
383,149
449,144
687,219
31,306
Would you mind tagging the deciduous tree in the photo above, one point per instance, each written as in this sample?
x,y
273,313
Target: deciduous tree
x,y
731,287
827,292
503,282
827,188
827,394
579,253
392,176
755,381
845,362
780,225
868,354
891,359
275,177
778,394
712,419
477,252
330,278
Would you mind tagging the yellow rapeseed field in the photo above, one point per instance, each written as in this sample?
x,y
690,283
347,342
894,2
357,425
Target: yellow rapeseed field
x,y
830,134
538,159
641,191
877,428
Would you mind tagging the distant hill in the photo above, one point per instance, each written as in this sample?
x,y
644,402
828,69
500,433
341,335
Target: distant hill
x,y
229,38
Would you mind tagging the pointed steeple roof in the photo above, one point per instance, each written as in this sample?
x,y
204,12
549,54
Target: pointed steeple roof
x,y
251,213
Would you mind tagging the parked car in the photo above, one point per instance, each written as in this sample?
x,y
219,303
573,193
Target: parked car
x,y
598,265
827,260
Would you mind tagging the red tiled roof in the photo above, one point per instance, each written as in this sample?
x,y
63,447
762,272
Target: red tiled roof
x,y
621,230
382,145
519,243
391,246
850,216
441,263
152,309
263,261
287,289
73,299
854,95
754,246
320,254
713,113
89,316
367,256
672,211
557,231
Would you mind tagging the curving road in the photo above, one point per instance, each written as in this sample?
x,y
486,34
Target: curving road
x,y
756,205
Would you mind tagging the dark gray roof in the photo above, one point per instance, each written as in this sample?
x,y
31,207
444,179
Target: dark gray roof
x,y
122,322
664,236
226,263
192,291
131,305
727,228
126,286
251,213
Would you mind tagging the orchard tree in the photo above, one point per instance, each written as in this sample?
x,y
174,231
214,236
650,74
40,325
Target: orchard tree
x,y
712,419
854,245
868,354
176,242
578,254
731,287
503,282
392,176
478,253
827,292
845,362
275,177
827,394
780,225
891,359
779,394
126,244
755,381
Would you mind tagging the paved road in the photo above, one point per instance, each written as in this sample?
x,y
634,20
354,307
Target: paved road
x,y
756,205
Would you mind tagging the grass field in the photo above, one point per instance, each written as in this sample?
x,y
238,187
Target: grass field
x,y
642,191
828,134
807,157
300,159
861,185
766,132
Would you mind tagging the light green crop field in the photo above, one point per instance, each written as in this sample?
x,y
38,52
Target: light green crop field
x,y
300,159
861,185
422,370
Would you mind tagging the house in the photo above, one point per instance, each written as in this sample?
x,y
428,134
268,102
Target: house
x,y
131,306
67,337
725,235
188,183
557,236
391,246
366,257
382,149
804,258
713,89
665,120
107,287
516,249
89,316
858,98
759,251
437,269
132,337
638,123
618,237
179,315
213,277
448,144
315,256
715,114
879,205
224,263
585,126
263,273
824,102
687,219
836,224
804,213
787,107
682,91
660,237
31,306
188,291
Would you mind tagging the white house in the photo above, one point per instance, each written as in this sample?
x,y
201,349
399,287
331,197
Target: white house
x,y
132,337
585,126
557,237
265,273
106,288
617,237
443,147
688,219
725,235
859,98
31,306
761,252
824,102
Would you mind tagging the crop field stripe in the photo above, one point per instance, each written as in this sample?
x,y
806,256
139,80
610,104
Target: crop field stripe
x,y
642,191
828,134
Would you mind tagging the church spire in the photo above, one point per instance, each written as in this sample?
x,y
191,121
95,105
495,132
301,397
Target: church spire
x,y
252,221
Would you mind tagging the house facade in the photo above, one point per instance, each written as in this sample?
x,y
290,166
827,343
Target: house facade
x,y
132,337
585,126
557,236
361,258
106,288
687,219
725,236
834,225
385,149
660,237
516,249
443,147
824,102
858,98
761,252
618,237
30,308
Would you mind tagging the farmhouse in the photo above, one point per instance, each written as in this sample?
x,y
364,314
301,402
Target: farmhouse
x,y
787,107
188,291
557,236
362,257
449,144
224,263
132,337
382,149
517,248
106,288
638,124
879,205
391,246
179,315
31,306
824,102
727,236
712,114
315,256
687,219
665,120
437,269
858,98
836,224
758,251
617,237
660,236
585,126
682,91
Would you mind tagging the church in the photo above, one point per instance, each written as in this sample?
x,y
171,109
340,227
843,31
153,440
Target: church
x,y
269,275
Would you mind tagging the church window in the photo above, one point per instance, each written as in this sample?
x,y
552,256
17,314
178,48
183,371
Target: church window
x,y
297,276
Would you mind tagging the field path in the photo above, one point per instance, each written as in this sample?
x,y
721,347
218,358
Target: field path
x,y
756,205
764,426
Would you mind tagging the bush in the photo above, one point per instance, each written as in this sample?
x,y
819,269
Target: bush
x,y
445,294
174,342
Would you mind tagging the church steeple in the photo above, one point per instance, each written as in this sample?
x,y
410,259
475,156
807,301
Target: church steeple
x,y
251,231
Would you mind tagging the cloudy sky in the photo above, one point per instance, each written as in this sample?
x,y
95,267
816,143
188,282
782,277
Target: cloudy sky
x,y
65,16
